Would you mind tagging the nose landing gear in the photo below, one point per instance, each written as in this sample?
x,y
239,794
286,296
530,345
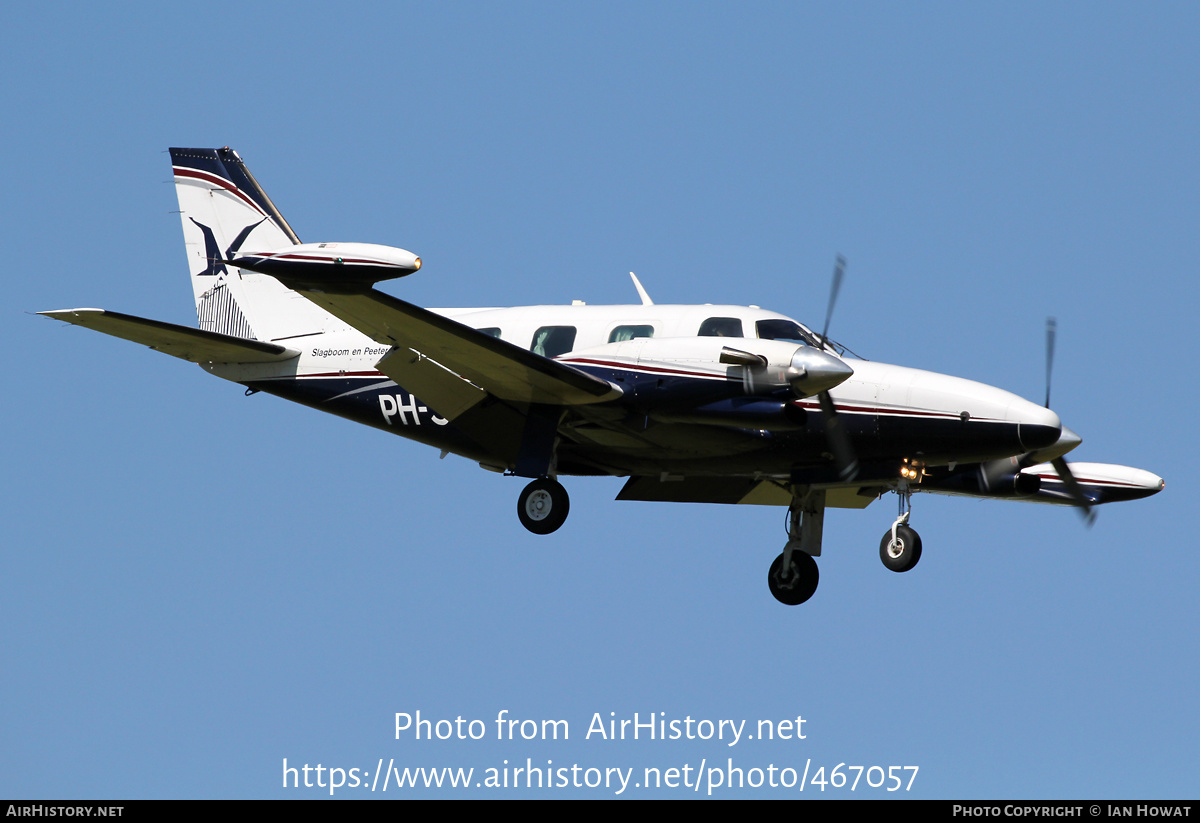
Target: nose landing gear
x,y
900,548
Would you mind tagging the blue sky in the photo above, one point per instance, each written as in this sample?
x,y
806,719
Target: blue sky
x,y
200,585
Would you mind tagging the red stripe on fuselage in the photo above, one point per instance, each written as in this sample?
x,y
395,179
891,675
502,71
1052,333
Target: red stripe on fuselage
x,y
647,369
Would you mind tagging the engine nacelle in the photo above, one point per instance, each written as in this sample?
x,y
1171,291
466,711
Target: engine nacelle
x,y
765,368
741,412
996,478
809,371
331,265
1002,478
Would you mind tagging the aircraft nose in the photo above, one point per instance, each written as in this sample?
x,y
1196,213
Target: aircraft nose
x,y
1037,426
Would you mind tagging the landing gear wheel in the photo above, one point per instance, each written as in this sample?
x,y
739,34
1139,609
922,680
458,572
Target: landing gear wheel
x,y
903,553
543,506
796,587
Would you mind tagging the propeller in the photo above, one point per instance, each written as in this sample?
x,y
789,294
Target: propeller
x,y
839,271
1074,490
835,427
1051,333
839,439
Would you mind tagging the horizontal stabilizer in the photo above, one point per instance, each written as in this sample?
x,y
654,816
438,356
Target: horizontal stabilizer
x,y
183,342
509,372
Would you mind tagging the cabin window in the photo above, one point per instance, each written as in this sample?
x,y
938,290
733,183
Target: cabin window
x,y
623,333
491,331
721,327
784,330
551,341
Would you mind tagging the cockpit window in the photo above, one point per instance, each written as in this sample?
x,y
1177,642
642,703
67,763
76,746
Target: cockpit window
x,y
623,333
491,331
551,341
788,330
721,327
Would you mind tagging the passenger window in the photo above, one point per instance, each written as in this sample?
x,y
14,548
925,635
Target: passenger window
x,y
721,327
551,341
623,333
490,331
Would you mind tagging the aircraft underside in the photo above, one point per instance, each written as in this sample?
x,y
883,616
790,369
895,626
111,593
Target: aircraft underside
x,y
668,460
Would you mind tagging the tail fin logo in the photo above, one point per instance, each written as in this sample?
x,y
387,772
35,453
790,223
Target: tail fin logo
x,y
212,252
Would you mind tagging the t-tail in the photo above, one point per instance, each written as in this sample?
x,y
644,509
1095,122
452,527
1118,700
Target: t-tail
x,y
226,213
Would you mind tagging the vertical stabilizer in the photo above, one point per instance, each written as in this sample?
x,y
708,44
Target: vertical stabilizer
x,y
225,211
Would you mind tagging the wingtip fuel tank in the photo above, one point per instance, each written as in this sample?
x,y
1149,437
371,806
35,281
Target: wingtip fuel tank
x,y
337,265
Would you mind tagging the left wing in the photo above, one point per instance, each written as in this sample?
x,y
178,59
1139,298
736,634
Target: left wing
x,y
465,362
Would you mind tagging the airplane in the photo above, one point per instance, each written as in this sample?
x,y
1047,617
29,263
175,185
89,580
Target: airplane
x,y
690,403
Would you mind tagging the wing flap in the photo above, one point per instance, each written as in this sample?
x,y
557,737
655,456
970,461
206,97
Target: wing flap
x,y
436,385
502,369
186,343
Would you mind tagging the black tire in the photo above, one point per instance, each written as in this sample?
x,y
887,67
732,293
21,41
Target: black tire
x,y
905,553
797,587
543,506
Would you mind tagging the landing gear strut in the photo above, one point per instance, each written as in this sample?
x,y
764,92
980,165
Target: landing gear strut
x,y
900,548
793,576
543,506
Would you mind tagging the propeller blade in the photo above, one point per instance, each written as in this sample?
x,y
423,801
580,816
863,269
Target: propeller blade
x,y
839,438
1074,490
839,270
1051,333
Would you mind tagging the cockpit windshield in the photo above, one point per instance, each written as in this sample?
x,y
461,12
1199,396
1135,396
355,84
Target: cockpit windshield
x,y
788,330
793,332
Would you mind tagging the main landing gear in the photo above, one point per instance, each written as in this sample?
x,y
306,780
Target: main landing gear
x,y
798,583
793,576
543,506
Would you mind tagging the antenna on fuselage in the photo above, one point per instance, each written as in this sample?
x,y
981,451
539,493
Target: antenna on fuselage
x,y
637,284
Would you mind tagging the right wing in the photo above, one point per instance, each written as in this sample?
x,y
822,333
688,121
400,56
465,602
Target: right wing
x,y
735,490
